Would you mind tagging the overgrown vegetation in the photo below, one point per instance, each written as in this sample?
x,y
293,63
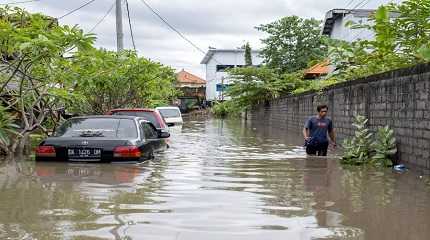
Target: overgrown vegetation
x,y
360,149
47,69
402,39
227,108
293,43
8,129
120,80
384,147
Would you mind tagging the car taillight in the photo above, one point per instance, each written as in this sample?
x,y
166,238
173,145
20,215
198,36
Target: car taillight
x,y
127,152
45,151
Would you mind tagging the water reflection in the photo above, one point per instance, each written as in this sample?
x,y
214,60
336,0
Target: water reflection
x,y
219,180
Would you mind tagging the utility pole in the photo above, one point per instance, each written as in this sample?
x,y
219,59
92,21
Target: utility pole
x,y
119,30
222,89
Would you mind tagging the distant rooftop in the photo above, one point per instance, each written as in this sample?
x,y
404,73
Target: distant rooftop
x,y
186,77
212,51
332,15
319,69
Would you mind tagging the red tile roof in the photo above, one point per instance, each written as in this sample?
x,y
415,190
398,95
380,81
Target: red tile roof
x,y
186,77
322,68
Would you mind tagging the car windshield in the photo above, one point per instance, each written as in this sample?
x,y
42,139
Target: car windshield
x,y
149,116
170,113
98,127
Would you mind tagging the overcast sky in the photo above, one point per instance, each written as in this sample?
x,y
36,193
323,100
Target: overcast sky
x,y
215,23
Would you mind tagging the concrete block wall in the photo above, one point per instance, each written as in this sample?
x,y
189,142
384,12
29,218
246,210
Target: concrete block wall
x,y
400,99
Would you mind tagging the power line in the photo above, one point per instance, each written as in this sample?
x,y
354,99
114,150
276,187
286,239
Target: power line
x,y
74,10
129,24
365,3
11,3
104,17
360,3
349,3
173,28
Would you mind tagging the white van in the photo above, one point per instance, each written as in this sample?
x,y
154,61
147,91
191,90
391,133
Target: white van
x,y
172,115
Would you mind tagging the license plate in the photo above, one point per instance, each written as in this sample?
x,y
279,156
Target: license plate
x,y
81,153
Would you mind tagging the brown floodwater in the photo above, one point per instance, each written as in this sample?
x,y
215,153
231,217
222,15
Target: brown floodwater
x,y
219,180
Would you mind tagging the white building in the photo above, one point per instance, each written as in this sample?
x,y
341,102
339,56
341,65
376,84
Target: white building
x,y
217,61
336,26
336,19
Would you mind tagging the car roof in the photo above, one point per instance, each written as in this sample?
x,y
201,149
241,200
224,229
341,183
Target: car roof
x,y
111,117
133,110
175,108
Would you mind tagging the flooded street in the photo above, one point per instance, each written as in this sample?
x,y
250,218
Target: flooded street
x,y
219,180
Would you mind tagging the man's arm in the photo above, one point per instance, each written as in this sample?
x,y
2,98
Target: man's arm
x,y
306,133
332,135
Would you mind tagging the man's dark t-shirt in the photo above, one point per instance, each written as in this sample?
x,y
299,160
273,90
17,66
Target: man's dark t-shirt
x,y
318,128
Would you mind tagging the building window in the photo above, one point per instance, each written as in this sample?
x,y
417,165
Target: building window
x,y
222,88
223,68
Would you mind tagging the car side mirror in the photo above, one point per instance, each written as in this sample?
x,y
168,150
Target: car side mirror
x,y
163,134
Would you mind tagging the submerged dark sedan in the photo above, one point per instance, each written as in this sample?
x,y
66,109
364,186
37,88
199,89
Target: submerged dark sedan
x,y
103,139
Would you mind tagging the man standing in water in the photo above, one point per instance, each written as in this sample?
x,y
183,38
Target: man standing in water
x,y
315,133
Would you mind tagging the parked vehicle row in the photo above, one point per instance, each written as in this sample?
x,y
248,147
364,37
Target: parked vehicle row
x,y
172,115
122,135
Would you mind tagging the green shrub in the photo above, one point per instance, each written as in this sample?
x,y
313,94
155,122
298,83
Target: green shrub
x,y
384,147
360,149
357,149
7,128
227,108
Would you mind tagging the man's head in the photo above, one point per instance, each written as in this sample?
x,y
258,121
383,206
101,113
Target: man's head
x,y
322,110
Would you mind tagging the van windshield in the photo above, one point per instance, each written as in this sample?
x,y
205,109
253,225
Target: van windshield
x,y
170,113
98,127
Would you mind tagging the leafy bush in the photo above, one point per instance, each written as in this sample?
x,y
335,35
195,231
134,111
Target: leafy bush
x,y
384,147
361,150
424,53
7,129
227,108
357,149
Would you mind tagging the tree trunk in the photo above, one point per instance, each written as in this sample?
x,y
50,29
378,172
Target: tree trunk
x,y
24,147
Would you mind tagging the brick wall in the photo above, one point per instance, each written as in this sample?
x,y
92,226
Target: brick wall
x,y
400,99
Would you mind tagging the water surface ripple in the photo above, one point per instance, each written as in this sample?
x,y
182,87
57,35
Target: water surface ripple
x,y
219,180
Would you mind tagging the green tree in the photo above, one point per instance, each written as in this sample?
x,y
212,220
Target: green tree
x,y
424,53
32,47
252,85
292,43
110,80
402,39
412,26
248,55
8,129
45,67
